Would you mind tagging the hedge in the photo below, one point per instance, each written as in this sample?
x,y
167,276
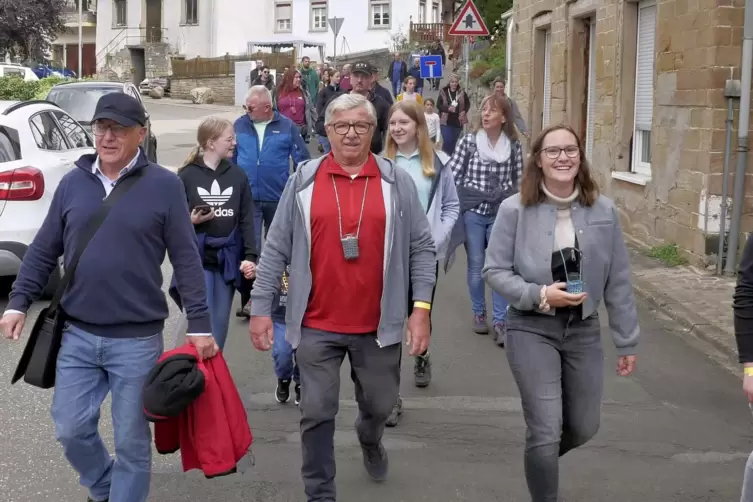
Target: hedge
x,y
17,89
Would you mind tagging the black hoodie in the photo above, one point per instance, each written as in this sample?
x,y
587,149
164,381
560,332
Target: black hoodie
x,y
228,191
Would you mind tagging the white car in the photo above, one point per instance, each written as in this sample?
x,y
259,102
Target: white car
x,y
39,144
10,70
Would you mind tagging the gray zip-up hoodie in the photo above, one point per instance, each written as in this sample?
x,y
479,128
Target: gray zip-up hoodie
x,y
409,257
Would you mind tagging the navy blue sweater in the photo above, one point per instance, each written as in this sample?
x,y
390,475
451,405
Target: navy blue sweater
x,y
116,290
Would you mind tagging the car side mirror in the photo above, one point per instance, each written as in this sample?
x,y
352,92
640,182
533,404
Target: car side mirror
x,y
147,115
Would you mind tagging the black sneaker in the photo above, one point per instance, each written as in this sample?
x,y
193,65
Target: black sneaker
x,y
394,417
297,394
89,499
375,461
282,392
422,371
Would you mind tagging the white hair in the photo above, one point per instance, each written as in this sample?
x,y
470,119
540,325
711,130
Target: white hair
x,y
261,91
346,102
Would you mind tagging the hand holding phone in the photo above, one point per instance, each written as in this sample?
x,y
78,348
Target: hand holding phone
x,y
200,214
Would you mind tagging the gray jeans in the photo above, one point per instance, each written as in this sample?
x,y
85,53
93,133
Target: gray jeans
x,y
375,372
558,365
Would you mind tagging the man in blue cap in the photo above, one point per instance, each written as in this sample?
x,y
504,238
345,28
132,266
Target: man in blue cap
x,y
114,306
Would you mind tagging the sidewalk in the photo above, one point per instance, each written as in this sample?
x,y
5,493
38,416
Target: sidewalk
x,y
697,300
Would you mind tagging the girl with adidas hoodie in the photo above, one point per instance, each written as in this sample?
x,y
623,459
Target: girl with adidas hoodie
x,y
219,197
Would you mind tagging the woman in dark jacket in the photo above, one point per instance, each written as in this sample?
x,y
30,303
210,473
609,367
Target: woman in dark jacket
x,y
453,105
219,197
324,97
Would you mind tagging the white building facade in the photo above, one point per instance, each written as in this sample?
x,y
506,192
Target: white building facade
x,y
212,28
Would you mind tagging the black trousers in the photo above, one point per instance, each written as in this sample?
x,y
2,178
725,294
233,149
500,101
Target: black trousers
x,y
245,290
410,308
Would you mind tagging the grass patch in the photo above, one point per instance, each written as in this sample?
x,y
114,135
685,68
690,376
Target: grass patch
x,y
669,254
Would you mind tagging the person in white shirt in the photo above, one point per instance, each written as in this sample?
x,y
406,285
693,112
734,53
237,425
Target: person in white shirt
x,y
432,121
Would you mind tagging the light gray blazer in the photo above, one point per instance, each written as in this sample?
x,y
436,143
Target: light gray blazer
x,y
519,261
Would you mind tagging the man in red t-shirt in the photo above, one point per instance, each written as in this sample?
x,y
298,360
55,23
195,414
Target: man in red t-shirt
x,y
352,228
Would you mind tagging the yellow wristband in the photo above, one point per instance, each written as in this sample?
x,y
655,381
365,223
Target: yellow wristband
x,y
427,306
748,371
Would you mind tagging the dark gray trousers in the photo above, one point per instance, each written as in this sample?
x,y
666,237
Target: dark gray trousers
x,y
375,372
558,365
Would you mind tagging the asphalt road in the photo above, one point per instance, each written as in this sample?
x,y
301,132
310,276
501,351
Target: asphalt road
x,y
678,430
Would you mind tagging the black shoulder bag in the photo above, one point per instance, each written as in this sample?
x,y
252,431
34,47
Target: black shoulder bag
x,y
39,359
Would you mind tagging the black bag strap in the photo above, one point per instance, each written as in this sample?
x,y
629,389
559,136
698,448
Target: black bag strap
x,y
91,228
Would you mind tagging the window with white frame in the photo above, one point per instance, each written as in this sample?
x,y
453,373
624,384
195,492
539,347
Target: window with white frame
x,y
190,14
380,13
591,103
547,108
318,15
120,13
434,12
283,17
422,12
644,87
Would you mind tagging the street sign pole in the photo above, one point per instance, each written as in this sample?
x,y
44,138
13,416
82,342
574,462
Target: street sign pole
x,y
466,57
80,37
335,23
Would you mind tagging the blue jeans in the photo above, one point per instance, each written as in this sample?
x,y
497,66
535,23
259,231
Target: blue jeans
x,y
220,300
284,355
397,87
324,141
264,211
478,228
450,137
88,367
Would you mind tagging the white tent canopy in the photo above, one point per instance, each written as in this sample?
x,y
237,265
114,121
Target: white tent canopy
x,y
277,43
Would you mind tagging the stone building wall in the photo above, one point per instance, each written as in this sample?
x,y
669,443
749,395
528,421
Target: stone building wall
x,y
697,47
223,87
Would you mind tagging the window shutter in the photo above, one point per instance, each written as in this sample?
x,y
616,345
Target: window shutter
x,y
644,75
283,11
547,79
591,89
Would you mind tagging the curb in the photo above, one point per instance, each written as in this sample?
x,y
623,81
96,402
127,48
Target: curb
x,y
692,323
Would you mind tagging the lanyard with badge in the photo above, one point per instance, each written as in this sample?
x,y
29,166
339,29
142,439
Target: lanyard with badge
x,y
350,241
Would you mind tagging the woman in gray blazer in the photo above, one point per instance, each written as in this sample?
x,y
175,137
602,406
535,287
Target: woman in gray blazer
x,y
556,250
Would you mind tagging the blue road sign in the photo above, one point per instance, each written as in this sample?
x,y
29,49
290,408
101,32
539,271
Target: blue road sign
x,y
431,66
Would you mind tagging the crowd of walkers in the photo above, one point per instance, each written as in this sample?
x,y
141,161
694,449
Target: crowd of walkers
x,y
348,265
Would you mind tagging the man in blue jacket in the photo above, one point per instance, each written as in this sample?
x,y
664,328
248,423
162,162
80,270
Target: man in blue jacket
x,y
266,141
114,305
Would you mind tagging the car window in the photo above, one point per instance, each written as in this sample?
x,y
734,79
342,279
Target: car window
x,y
10,71
46,132
78,102
131,91
10,148
77,137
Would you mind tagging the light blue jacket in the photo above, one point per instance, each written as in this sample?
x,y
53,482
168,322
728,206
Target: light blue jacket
x,y
519,261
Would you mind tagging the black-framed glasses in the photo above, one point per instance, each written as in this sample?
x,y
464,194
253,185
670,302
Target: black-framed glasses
x,y
361,128
100,129
553,152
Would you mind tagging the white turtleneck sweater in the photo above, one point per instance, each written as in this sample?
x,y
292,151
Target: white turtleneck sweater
x,y
564,231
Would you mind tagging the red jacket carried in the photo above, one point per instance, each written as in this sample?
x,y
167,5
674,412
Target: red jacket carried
x,y
197,408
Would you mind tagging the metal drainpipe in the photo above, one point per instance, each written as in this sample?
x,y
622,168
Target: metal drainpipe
x,y
743,124
725,174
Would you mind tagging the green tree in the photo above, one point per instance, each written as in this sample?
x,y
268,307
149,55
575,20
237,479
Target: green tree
x,y
27,27
491,10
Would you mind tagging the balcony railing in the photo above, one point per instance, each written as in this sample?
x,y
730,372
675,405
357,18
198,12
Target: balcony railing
x,y
424,33
88,14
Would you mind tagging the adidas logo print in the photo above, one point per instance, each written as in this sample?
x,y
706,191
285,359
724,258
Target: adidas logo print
x,y
216,197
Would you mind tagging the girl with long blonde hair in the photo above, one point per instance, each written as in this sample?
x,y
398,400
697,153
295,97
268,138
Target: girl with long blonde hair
x,y
409,146
219,198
